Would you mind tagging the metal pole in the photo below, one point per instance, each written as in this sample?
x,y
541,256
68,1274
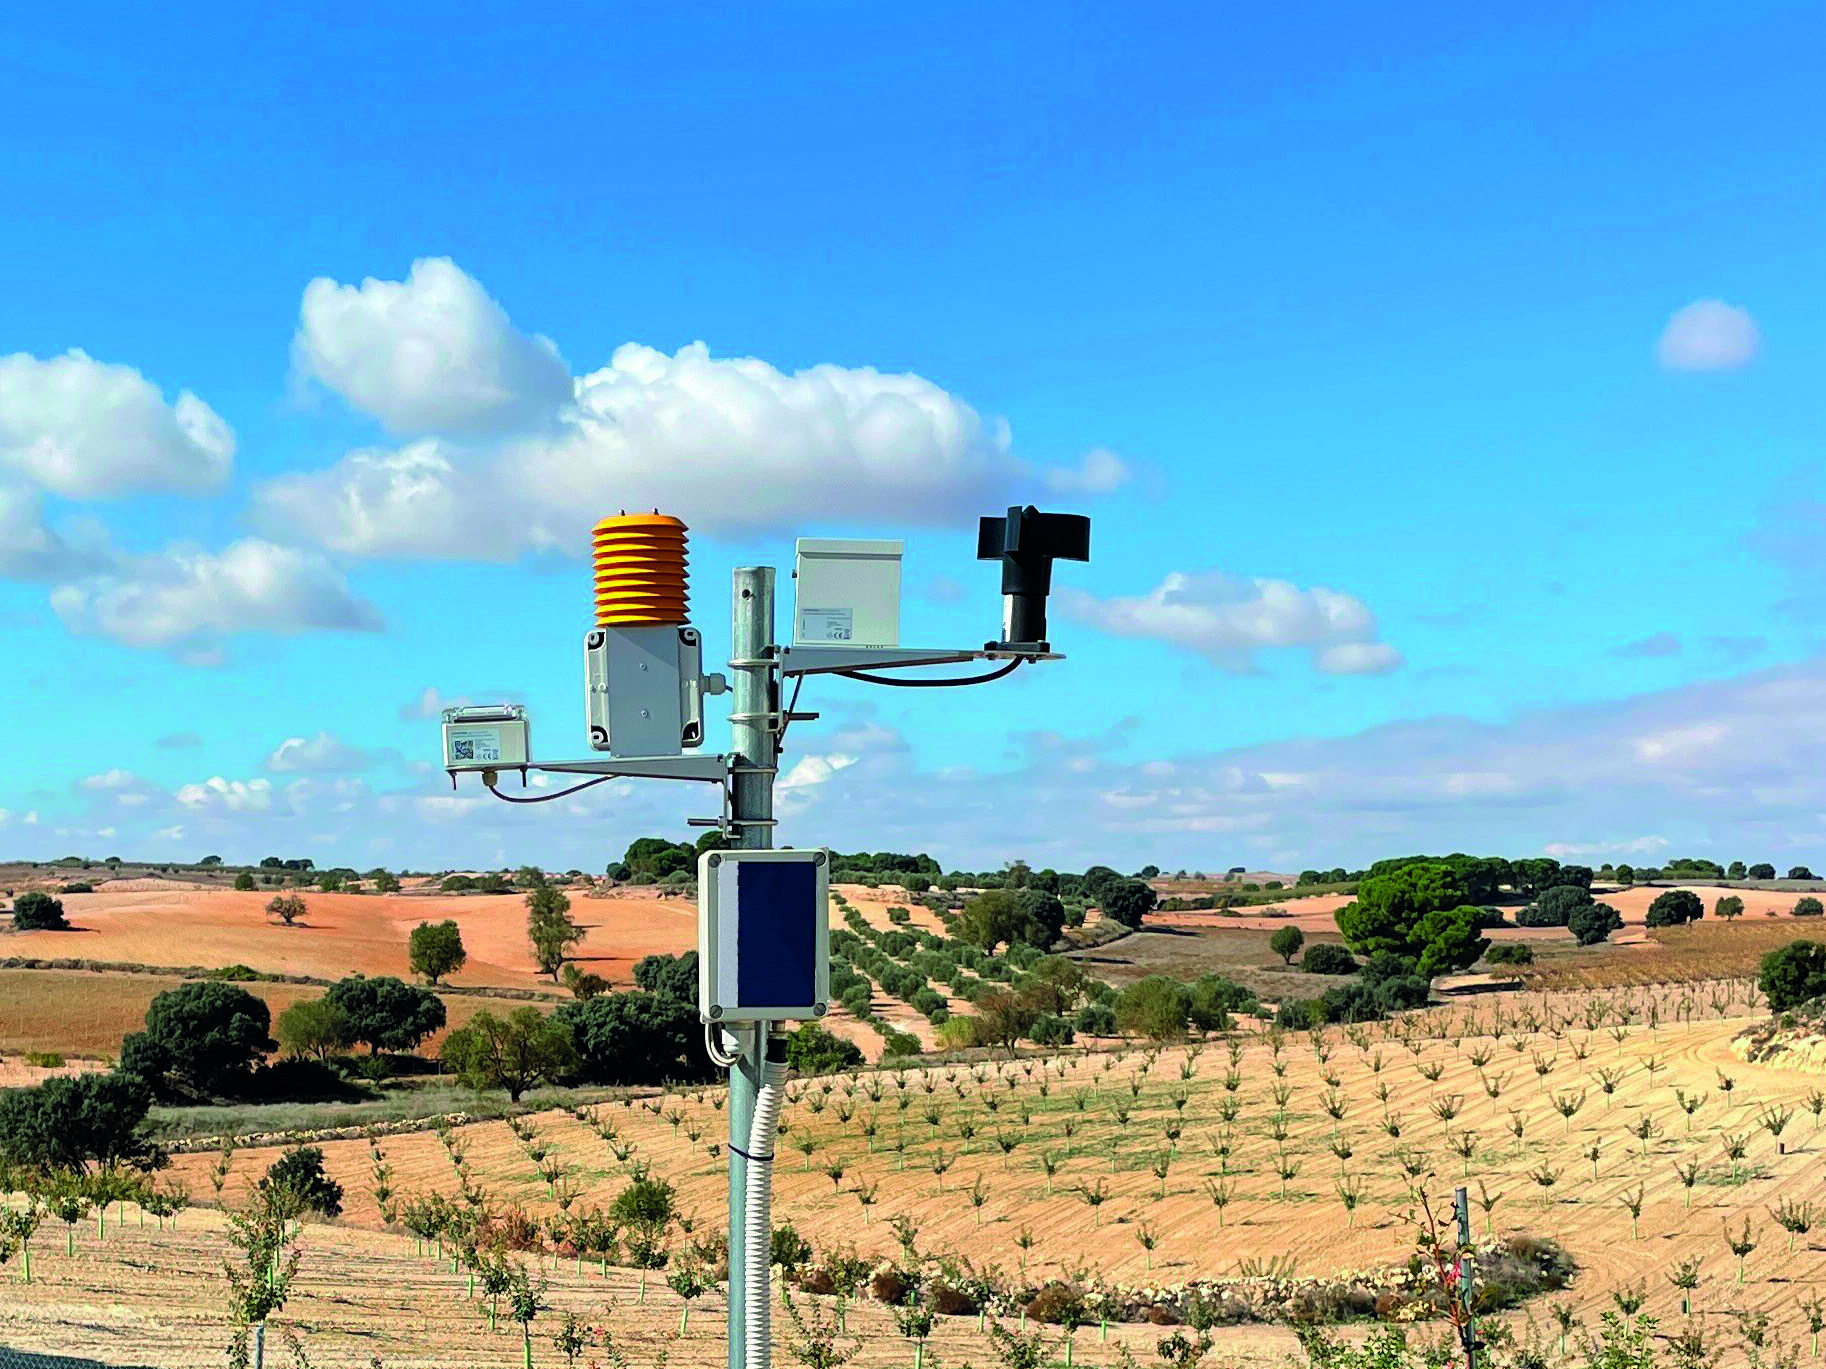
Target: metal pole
x,y
754,734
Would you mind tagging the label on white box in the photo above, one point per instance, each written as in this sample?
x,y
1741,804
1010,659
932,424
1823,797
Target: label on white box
x,y
827,624
475,744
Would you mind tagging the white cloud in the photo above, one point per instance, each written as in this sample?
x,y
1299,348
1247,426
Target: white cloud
x,y
186,598
1100,472
110,780
1358,658
732,445
173,833
87,429
432,353
810,770
233,796
31,550
1227,619
1708,335
1636,846
323,754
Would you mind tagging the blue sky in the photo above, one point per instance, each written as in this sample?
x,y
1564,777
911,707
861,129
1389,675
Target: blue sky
x,y
1443,387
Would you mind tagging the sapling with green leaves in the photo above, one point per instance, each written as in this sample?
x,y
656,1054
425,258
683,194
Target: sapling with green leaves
x,y
690,1281
1645,1128
525,1301
1794,1217
1288,1168
1735,1148
1741,1245
1688,1175
1685,1278
1631,1201
1350,1193
1690,1103
1221,1194
1815,1312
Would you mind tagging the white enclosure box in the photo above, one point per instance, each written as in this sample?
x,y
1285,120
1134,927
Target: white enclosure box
x,y
846,592
486,738
763,935
643,689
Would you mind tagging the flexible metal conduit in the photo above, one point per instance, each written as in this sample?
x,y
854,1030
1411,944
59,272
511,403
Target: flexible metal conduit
x,y
758,1247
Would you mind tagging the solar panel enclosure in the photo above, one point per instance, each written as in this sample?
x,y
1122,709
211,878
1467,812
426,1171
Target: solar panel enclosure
x,y
763,935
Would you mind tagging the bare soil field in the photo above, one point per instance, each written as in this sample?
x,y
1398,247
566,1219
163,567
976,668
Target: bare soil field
x,y
343,933
85,1013
1221,1159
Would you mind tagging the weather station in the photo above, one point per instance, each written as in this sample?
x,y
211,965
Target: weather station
x,y
763,914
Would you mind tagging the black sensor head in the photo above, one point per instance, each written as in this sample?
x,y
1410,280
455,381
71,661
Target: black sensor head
x,y
1027,542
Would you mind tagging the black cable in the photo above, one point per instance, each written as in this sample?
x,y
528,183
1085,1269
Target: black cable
x,y
547,798
786,718
932,684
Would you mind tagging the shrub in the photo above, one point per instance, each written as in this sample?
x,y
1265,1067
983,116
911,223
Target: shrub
x,y
1675,908
1129,902
1093,1019
34,911
288,908
1327,957
1049,1029
1555,906
1510,953
299,1171
1594,922
1214,998
1807,906
669,976
244,881
1156,1007
1793,975
813,1050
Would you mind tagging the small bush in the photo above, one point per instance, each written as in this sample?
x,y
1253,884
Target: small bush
x,y
1327,957
1510,953
1808,906
34,911
300,1171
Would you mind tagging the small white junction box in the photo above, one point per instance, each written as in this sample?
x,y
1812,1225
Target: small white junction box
x,y
846,592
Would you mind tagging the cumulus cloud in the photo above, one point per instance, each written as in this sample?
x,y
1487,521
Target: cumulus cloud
x,y
187,598
433,353
1227,619
1635,846
323,754
1708,335
32,551
86,429
1100,472
732,444
232,796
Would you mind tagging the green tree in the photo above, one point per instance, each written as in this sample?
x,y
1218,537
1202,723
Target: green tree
x,y
35,911
1808,906
1156,1007
1793,975
386,1013
313,1026
1418,912
1762,870
288,908
244,881
299,1173
1626,874
1556,906
1594,922
549,928
518,1052
646,1209
385,881
1388,907
1799,872
208,1033
669,976
1674,908
1286,943
813,1050
330,882
1128,902
1729,907
73,1121
637,1038
436,949
1737,870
